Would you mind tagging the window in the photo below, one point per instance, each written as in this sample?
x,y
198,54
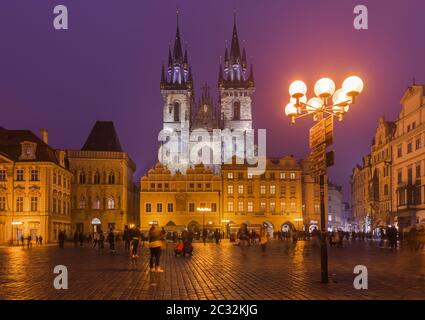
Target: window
x,y
176,112
208,185
409,147
272,206
96,178
34,204
418,171
230,206
283,189
55,205
399,151
240,206
82,178
199,185
230,175
418,143
272,189
240,189
317,208
20,204
54,178
82,203
213,207
409,175
148,207
170,207
292,176
159,207
399,177
111,203
386,190
240,175
262,189
96,204
191,207
20,175
292,206
2,175
250,206
60,180
283,206
2,203
249,175
236,110
293,189
111,178
272,176
250,190
230,189
282,175
262,206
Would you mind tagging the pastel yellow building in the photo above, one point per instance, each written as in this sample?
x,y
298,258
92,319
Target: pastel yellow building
x,y
273,199
35,188
179,201
104,196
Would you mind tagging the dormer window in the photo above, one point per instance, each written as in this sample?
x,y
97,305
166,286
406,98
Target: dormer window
x,y
28,150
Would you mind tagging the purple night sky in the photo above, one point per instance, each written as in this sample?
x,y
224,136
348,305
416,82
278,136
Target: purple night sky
x,y
107,66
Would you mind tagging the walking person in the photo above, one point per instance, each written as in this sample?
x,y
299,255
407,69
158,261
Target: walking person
x,y
22,240
111,240
95,240
75,239
36,240
155,242
264,239
40,240
29,241
217,236
243,236
81,238
102,239
61,239
126,238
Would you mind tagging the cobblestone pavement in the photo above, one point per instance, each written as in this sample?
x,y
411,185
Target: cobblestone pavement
x,y
213,272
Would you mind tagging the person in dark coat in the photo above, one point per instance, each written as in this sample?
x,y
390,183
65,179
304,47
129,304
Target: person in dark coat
x,y
75,238
126,237
111,240
81,238
61,239
40,240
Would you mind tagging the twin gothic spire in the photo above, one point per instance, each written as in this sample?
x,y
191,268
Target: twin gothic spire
x,y
234,74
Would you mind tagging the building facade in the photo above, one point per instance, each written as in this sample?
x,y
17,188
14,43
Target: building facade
x,y
104,195
335,207
35,188
408,163
180,201
359,186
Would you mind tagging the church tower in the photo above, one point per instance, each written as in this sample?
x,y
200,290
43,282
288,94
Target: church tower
x,y
177,94
236,87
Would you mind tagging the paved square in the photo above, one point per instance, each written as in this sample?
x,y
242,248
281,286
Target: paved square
x,y
213,272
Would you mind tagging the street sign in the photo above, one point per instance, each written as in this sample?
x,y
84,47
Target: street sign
x,y
322,132
318,160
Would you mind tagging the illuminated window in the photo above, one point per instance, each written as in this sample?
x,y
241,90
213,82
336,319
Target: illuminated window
x,y
96,204
240,189
170,207
272,189
292,205
213,207
96,178
34,204
272,206
262,189
282,175
82,203
111,178
191,207
20,204
262,206
20,175
111,203
240,206
230,189
230,206
2,203
292,176
159,207
250,206
230,175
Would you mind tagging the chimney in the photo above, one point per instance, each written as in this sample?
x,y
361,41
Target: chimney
x,y
44,135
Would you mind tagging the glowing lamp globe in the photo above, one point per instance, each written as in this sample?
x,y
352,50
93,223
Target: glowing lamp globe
x,y
297,89
314,104
352,86
340,98
290,110
324,87
340,110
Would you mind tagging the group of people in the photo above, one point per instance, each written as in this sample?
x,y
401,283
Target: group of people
x,y
247,238
29,239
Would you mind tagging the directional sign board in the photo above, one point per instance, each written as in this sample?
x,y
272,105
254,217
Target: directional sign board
x,y
322,132
321,136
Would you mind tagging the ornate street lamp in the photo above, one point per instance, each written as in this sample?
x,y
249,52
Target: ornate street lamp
x,y
327,101
331,102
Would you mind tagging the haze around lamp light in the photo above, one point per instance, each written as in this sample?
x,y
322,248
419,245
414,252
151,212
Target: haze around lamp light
x,y
324,87
301,100
297,89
